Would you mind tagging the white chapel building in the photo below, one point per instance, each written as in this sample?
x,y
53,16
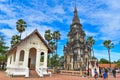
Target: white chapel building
x,y
29,53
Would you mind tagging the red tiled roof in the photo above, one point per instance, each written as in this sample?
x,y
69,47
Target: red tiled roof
x,y
107,65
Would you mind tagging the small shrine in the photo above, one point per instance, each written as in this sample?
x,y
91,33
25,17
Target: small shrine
x,y
91,66
26,55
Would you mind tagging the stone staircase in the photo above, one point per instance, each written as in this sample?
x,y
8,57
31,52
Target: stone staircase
x,y
33,74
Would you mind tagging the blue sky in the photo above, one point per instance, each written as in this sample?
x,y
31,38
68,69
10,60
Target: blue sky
x,y
100,19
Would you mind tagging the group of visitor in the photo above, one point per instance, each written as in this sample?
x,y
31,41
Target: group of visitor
x,y
104,74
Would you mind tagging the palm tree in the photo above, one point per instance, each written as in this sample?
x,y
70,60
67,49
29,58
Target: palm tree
x,y
20,26
14,40
108,44
91,42
52,45
3,50
55,60
48,35
56,36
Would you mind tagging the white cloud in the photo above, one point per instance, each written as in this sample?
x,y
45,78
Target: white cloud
x,y
8,10
113,4
57,10
8,32
10,22
91,33
106,18
2,0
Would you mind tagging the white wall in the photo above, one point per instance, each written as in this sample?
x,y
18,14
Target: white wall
x,y
32,42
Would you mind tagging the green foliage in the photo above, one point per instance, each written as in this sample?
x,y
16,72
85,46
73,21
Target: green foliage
x,y
48,35
42,59
109,45
103,61
56,35
14,40
3,50
20,26
55,60
52,39
91,42
118,63
61,62
93,57
52,45
3,57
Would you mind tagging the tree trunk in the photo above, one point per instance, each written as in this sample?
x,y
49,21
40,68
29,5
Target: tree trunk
x,y
93,52
56,45
3,64
20,35
109,57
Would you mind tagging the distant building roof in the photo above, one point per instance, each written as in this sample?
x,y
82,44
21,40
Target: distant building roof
x,y
106,65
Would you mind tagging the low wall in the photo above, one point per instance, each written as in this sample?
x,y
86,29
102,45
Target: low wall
x,y
74,73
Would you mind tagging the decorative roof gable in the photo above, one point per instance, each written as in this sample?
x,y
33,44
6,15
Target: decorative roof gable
x,y
34,32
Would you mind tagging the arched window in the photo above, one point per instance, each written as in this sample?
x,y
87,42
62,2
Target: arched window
x,y
14,57
21,56
10,59
42,57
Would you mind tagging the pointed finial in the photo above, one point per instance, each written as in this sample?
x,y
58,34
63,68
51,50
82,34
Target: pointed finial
x,y
75,3
75,9
75,18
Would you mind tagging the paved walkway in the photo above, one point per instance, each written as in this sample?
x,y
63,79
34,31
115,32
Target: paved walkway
x,y
3,76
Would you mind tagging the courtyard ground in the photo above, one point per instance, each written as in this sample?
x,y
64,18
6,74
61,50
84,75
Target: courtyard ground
x,y
3,76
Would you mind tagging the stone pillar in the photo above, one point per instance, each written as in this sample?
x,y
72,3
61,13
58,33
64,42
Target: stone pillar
x,y
26,58
45,58
38,58
81,73
72,62
8,61
17,57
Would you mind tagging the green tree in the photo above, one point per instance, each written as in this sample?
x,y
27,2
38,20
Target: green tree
x,y
52,45
52,39
91,42
55,60
14,40
118,63
3,50
48,35
109,45
20,26
94,57
61,62
56,36
103,61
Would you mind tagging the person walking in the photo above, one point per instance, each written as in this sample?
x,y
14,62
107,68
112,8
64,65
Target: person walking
x,y
114,72
106,70
95,74
104,75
